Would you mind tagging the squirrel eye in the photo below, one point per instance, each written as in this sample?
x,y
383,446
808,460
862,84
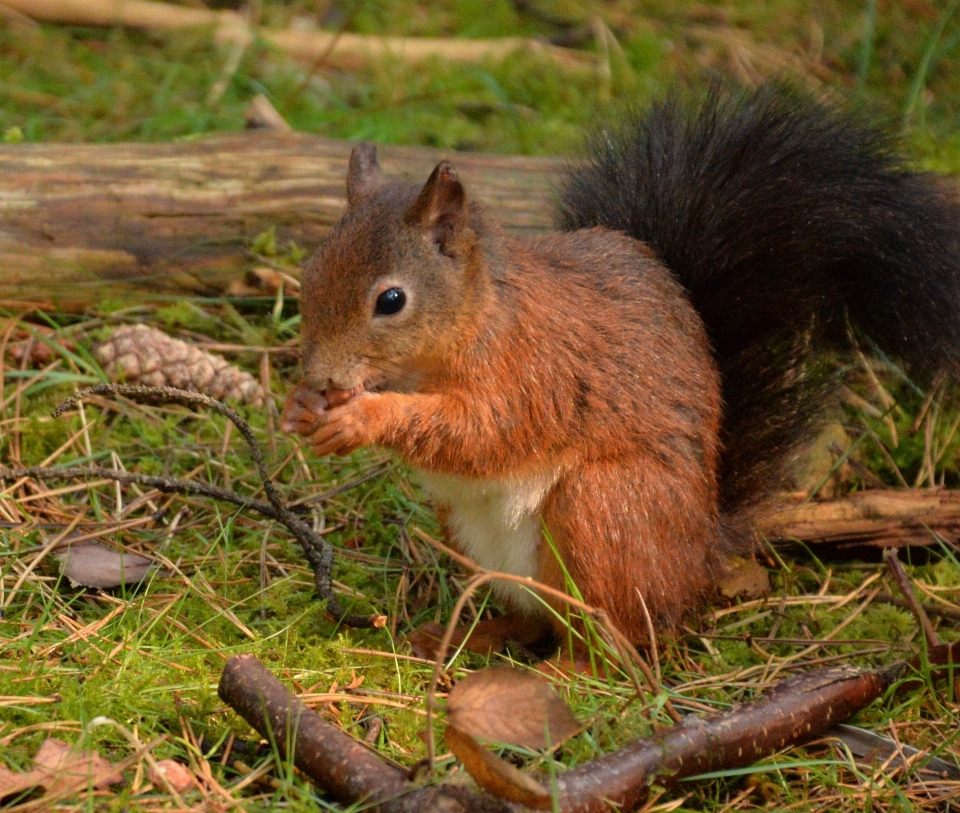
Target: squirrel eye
x,y
390,302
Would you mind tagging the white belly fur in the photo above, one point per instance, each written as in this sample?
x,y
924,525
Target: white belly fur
x,y
497,524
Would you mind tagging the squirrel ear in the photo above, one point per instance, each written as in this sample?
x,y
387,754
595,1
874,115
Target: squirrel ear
x,y
441,208
363,174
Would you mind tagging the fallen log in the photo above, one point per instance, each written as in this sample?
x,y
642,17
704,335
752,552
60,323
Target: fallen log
x,y
84,222
878,518
329,48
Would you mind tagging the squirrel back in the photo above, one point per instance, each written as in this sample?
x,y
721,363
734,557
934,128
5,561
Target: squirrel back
x,y
783,217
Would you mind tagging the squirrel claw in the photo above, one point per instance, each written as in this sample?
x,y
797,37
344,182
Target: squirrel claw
x,y
303,411
343,430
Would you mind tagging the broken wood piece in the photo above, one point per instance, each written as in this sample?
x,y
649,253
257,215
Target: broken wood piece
x,y
335,49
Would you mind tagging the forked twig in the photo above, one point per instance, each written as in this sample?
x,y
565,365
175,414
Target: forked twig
x,y
903,582
318,552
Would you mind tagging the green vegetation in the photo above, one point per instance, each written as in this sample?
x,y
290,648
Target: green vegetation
x,y
148,658
83,84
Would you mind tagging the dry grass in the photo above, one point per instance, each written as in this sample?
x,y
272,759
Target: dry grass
x,y
133,671
147,659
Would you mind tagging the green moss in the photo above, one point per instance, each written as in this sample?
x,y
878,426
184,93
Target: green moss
x,y
154,664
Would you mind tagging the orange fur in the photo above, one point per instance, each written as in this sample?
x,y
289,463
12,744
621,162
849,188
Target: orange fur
x,y
567,375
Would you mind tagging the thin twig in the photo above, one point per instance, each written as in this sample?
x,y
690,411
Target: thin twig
x,y
317,551
903,582
628,654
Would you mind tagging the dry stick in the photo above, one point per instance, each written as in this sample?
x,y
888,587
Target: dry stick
x,y
344,50
628,654
793,712
165,485
337,763
931,609
317,551
903,582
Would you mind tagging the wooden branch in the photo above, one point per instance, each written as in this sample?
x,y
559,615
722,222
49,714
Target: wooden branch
x,y
82,222
879,518
343,767
793,712
341,50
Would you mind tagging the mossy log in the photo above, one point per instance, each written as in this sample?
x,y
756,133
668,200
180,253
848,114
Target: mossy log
x,y
84,222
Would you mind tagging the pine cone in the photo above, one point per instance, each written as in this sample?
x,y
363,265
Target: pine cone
x,y
139,354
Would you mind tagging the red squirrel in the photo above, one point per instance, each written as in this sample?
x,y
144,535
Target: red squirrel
x,y
608,403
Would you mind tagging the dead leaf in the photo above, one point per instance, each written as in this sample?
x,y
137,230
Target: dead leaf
x,y
12,783
60,769
495,775
511,706
90,564
68,769
170,772
746,578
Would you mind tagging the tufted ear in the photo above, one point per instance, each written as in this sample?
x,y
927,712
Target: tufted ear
x,y
441,208
363,174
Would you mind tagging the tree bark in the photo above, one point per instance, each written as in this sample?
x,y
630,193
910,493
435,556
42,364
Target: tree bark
x,y
877,518
83,222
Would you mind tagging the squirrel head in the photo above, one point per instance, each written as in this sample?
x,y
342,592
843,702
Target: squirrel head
x,y
390,283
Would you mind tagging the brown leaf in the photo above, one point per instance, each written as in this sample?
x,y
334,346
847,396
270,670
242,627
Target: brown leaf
x,y
12,782
58,768
511,706
746,578
68,769
90,564
495,775
170,772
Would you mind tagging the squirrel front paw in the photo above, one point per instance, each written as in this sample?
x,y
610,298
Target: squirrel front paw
x,y
303,411
355,423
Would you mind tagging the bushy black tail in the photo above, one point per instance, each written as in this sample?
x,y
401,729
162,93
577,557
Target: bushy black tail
x,y
783,217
